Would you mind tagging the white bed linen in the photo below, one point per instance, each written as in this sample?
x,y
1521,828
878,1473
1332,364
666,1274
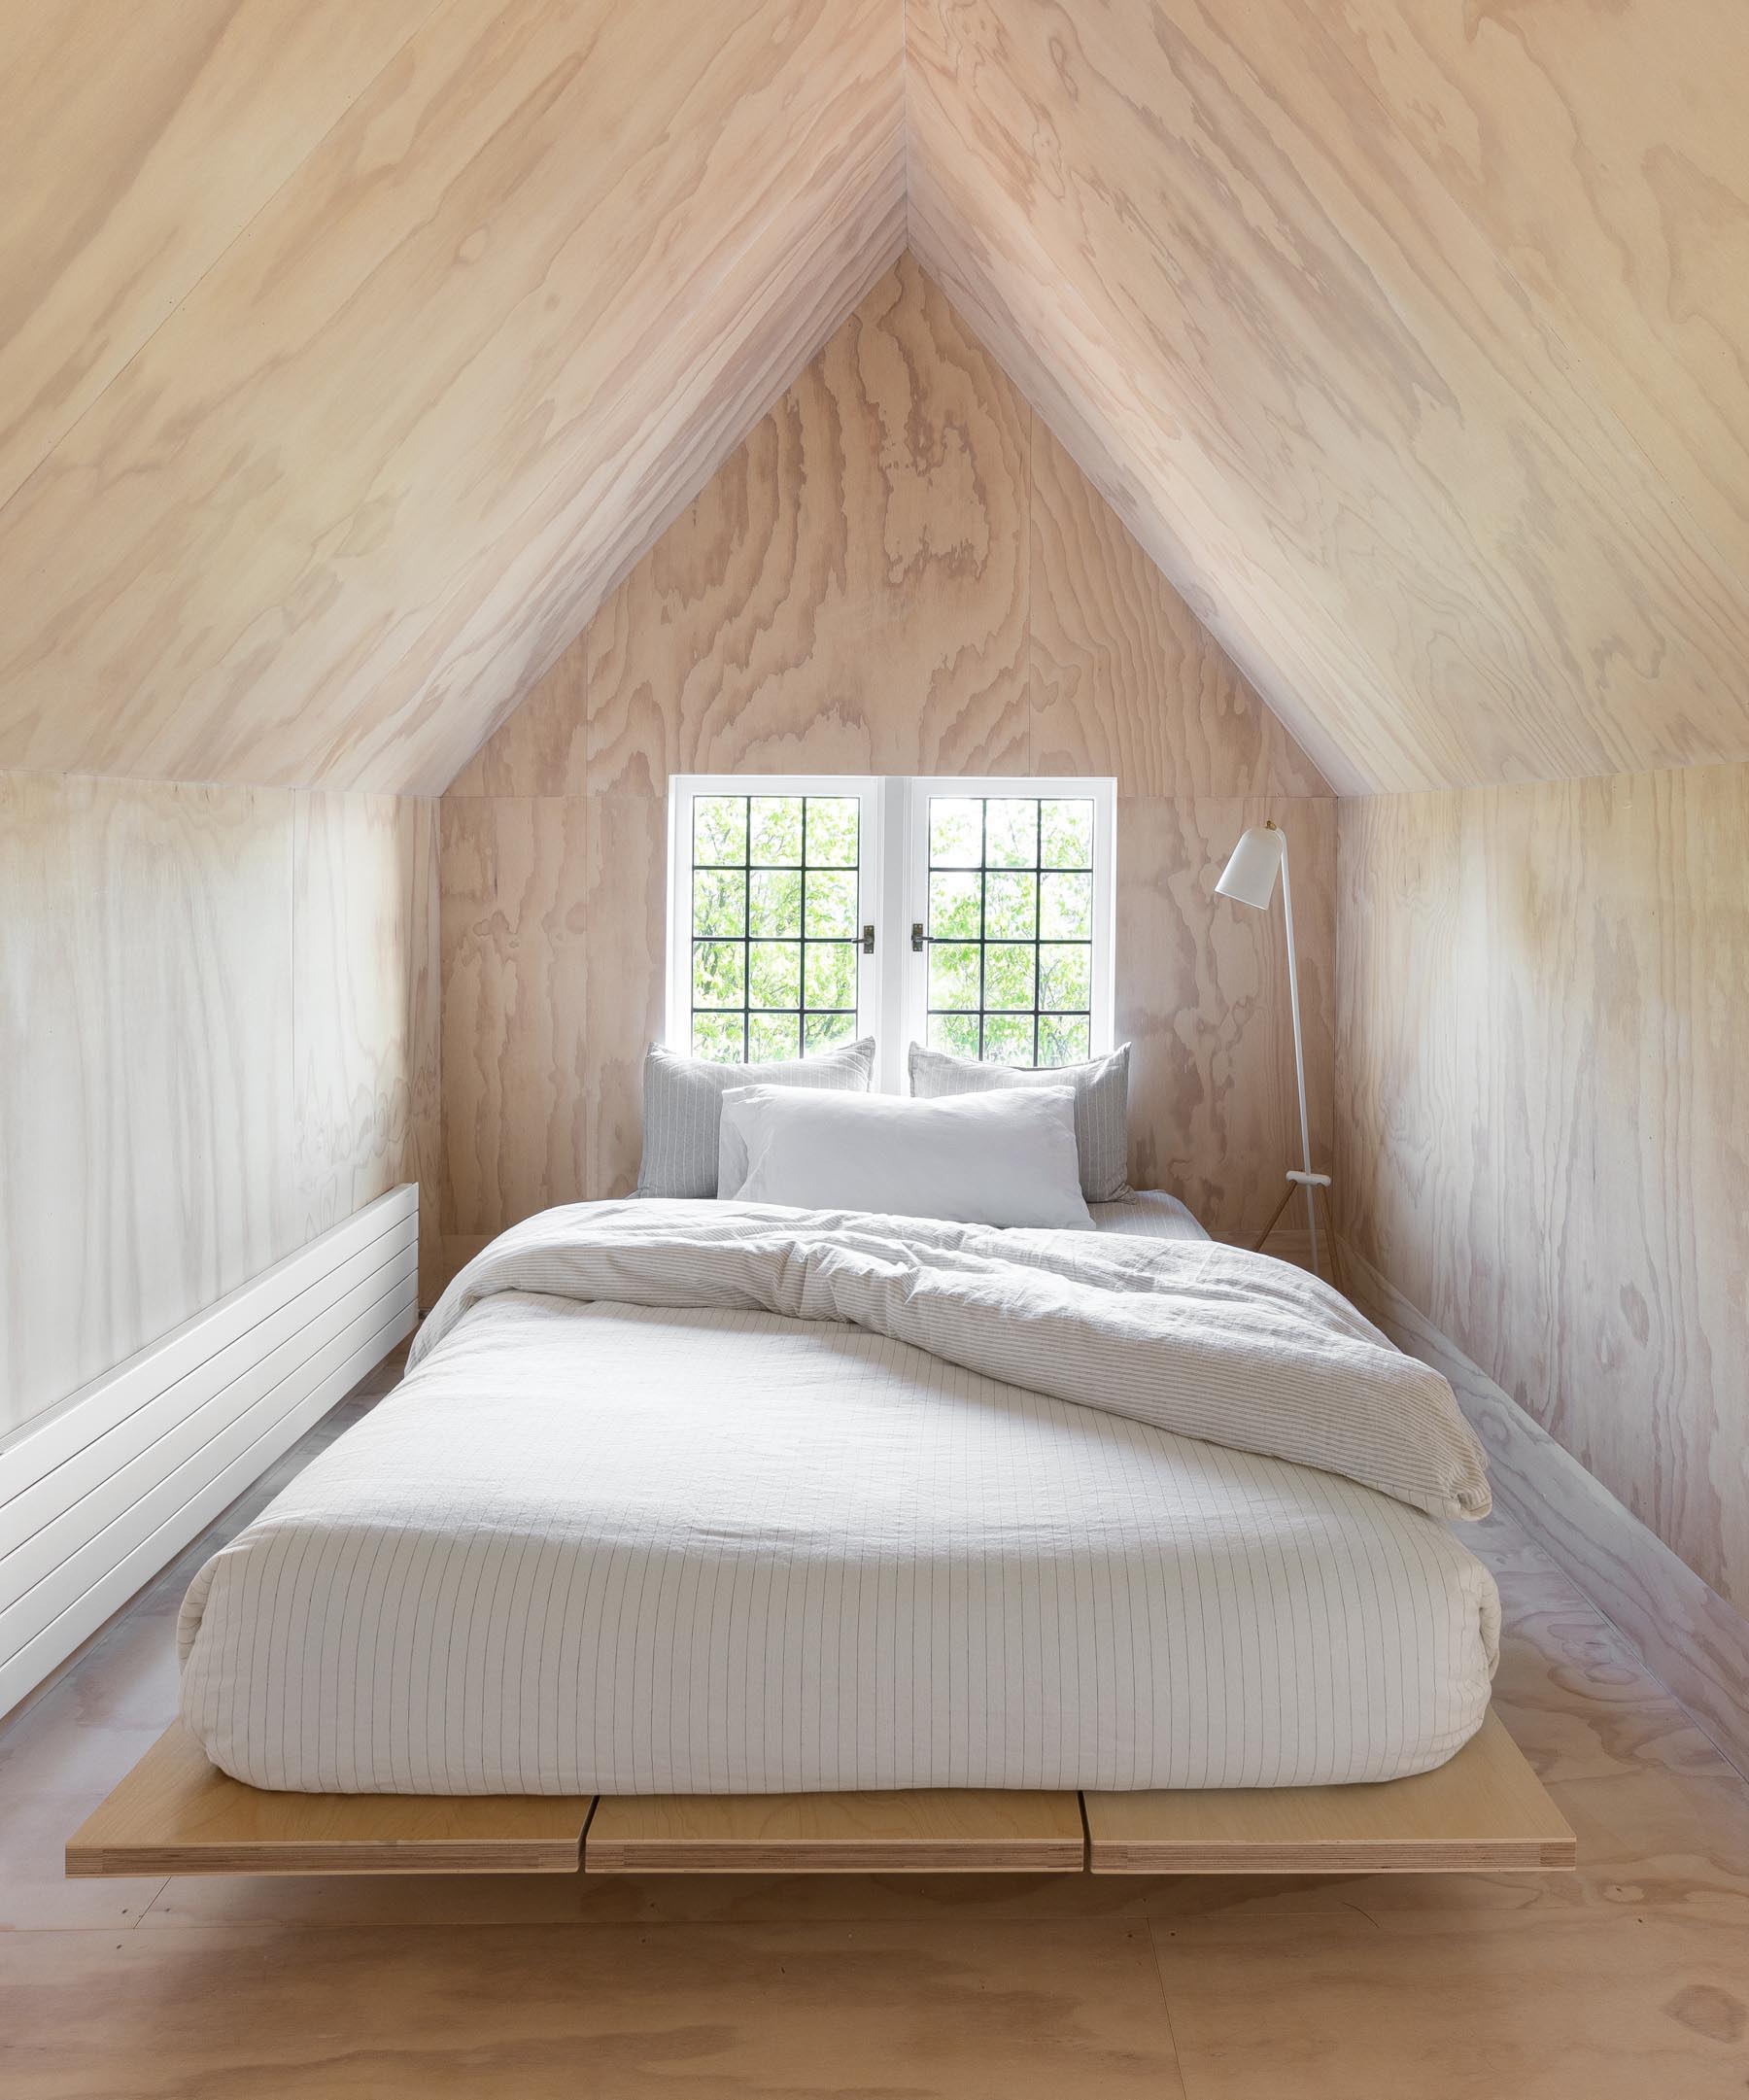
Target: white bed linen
x,y
1000,1158
1146,1214
595,1546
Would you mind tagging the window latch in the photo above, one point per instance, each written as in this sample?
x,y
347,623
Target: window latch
x,y
916,937
868,941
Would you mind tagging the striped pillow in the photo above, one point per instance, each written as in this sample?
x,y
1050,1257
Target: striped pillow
x,y
1100,1105
683,1108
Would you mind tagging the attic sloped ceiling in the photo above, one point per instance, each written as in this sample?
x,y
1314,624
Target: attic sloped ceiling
x,y
348,355
1410,336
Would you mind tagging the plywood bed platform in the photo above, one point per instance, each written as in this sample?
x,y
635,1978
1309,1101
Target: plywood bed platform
x,y
176,1814
1484,1813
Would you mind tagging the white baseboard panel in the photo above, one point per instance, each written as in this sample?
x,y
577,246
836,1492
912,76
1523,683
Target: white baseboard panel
x,y
1690,1637
101,1491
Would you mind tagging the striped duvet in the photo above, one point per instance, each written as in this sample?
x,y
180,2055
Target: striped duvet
x,y
697,1498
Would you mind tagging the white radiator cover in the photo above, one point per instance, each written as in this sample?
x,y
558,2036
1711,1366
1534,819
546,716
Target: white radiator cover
x,y
101,1491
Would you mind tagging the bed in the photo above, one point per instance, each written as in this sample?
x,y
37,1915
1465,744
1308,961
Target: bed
x,y
707,1499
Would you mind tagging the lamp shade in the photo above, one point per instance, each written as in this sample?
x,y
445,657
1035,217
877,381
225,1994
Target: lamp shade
x,y
1249,876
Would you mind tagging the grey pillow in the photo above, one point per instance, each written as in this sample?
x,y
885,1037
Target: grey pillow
x,y
683,1108
1100,1105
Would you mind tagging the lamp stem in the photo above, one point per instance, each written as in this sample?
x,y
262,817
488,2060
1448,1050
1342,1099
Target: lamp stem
x,y
1299,1056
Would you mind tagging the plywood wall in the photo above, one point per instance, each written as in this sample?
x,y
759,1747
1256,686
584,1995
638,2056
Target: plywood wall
x,y
1543,1115
900,571
218,1035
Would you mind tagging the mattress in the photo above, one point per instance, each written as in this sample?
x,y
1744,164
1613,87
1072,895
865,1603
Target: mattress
x,y
591,1545
1148,1214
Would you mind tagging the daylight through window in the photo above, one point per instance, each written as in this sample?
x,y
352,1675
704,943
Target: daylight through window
x,y
773,924
972,916
1011,928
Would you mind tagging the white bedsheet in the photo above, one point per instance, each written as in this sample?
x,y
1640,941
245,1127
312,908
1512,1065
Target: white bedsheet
x,y
1147,1213
591,1545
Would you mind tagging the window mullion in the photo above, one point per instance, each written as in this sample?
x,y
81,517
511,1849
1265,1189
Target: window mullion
x,y
983,919
747,929
802,949
1038,892
892,990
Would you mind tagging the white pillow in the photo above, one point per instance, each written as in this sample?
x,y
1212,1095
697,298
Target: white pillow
x,y
683,1098
1100,1105
990,1160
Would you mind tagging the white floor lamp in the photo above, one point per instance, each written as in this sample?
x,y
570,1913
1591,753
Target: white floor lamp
x,y
1250,877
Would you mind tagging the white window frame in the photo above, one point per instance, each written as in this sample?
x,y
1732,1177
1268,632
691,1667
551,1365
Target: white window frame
x,y
1103,794
892,997
870,844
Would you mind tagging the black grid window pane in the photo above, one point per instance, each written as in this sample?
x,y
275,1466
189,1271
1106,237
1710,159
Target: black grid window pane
x,y
774,925
1009,931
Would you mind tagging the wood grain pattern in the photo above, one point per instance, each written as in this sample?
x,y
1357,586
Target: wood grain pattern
x,y
1293,360
351,357
968,2008
625,916
1485,1811
1334,2010
1697,1644
1202,991
139,144
456,1249
377,466
426,1030
515,1009
217,1036
553,942
754,352
859,587
174,1813
363,1041
1575,1697
849,593
931,1831
146,1101
1125,678
1544,1120
542,747
1602,152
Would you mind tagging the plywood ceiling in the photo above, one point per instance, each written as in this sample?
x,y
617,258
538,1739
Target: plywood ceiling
x,y
352,352
1412,337
348,355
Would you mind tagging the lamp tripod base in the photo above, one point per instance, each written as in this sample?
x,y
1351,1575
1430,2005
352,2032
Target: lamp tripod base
x,y
1318,1188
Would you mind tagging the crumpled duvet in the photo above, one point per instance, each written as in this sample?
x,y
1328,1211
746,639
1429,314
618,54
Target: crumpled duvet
x,y
1202,1339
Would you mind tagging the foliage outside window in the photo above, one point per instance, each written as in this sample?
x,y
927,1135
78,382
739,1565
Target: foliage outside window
x,y
1011,928
774,925
972,916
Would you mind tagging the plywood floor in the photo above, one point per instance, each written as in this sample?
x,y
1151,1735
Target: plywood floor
x,y
1628,1979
